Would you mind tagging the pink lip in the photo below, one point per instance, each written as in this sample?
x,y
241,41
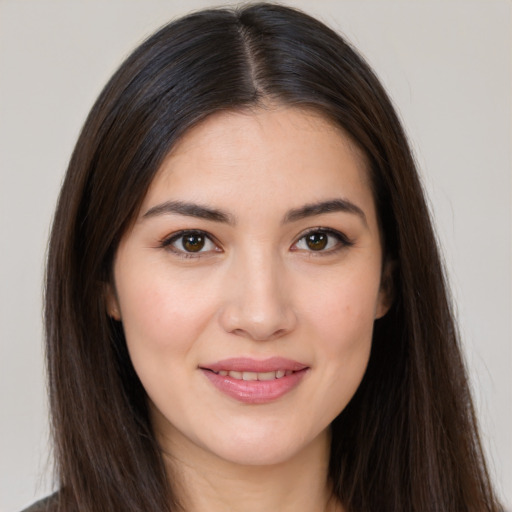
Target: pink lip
x,y
246,364
256,391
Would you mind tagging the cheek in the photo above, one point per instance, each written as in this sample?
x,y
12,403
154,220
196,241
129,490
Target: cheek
x,y
162,320
345,335
342,311
161,313
341,320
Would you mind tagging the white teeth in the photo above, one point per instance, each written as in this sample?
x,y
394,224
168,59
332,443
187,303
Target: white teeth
x,y
267,376
255,375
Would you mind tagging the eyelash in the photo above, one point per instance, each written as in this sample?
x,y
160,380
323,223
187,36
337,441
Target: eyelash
x,y
342,241
168,242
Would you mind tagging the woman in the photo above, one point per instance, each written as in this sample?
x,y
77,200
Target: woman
x,y
245,302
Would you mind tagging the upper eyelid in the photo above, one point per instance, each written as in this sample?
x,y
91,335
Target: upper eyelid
x,y
169,239
329,231
167,243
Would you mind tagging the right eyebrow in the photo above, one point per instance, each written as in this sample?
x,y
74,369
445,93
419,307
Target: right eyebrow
x,y
190,210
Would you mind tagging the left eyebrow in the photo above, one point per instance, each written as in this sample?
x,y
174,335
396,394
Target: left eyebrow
x,y
330,206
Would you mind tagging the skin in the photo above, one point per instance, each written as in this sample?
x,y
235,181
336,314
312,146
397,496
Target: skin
x,y
255,289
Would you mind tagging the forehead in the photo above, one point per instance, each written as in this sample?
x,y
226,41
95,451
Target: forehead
x,y
296,154
248,129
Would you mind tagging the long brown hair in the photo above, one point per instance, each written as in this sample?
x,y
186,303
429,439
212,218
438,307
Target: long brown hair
x,y
408,439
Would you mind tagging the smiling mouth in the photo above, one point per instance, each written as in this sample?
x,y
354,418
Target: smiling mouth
x,y
255,381
251,376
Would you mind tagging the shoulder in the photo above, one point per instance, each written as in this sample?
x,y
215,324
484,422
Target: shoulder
x,y
48,504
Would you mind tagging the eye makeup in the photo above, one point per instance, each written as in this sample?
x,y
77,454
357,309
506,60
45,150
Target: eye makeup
x,y
195,243
322,241
190,243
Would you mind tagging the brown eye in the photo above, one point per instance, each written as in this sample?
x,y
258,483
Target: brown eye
x,y
323,241
190,243
193,242
317,241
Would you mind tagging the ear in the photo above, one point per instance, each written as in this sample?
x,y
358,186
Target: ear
x,y
111,302
387,289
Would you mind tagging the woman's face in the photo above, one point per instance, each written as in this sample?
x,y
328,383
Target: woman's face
x,y
249,285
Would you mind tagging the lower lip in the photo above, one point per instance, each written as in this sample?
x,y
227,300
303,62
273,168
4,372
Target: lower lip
x,y
255,391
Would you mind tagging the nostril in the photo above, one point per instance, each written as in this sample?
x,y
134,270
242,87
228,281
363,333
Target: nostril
x,y
252,333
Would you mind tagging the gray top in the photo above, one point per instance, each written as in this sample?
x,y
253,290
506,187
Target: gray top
x,y
48,504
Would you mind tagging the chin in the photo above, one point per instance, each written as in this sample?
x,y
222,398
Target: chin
x,y
269,446
253,453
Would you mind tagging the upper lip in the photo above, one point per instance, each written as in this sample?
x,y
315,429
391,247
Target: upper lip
x,y
246,364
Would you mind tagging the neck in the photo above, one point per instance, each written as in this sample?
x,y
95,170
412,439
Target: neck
x,y
206,483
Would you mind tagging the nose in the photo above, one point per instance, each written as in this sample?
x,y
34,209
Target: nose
x,y
258,301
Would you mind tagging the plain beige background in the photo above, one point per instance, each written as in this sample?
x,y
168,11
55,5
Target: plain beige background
x,y
447,65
